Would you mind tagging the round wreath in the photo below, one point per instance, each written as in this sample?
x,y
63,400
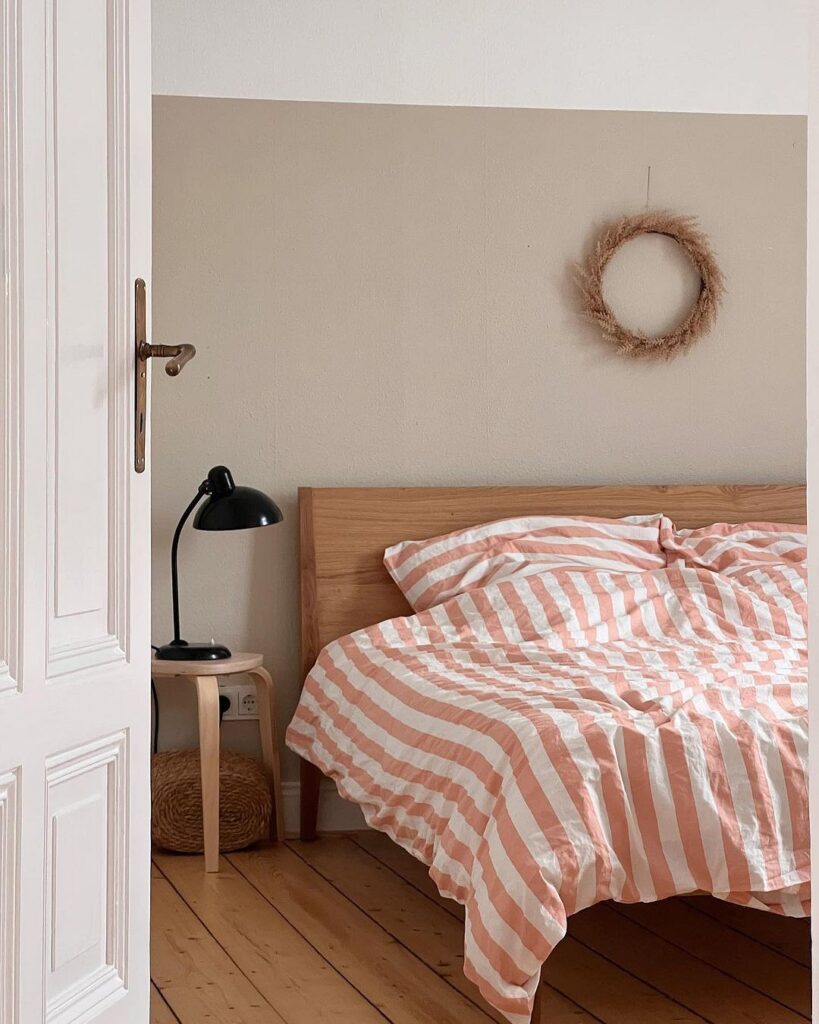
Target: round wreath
x,y
695,243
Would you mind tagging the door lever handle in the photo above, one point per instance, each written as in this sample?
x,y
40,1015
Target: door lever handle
x,y
177,356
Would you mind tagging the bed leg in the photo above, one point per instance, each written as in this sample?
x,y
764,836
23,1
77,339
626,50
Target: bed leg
x,y
310,782
537,1010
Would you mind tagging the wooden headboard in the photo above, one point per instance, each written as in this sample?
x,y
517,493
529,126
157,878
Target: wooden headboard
x,y
344,531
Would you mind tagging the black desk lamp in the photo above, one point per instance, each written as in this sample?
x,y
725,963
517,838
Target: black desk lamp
x,y
228,507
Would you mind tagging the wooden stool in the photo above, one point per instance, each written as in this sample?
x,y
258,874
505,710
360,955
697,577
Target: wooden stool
x,y
205,676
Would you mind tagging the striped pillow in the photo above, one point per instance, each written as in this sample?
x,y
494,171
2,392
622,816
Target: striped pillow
x,y
431,571
736,547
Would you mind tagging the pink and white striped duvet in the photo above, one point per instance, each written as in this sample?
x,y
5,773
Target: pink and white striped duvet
x,y
569,734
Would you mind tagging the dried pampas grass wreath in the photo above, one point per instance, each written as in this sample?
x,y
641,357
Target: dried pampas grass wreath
x,y
694,242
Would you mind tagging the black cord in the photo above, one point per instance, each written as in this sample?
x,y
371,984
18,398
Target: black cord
x,y
155,700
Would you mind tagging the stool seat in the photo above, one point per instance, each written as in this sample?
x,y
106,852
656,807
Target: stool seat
x,y
161,669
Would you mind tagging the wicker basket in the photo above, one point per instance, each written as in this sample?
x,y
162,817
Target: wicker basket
x,y
245,804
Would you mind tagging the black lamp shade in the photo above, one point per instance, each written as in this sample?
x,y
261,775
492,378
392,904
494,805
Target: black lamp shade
x,y
244,509
229,507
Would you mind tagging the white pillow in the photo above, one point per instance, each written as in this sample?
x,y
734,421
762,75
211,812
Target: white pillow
x,y
431,571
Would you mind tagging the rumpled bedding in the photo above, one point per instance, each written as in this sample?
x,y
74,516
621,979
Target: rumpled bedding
x,y
562,736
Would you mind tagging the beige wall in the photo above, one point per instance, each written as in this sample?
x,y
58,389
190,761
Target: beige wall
x,y
382,294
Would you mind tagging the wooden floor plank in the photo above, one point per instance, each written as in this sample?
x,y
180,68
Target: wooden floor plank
x,y
789,936
161,1013
386,973
608,993
281,964
577,972
750,962
691,982
353,931
380,846
425,928
194,974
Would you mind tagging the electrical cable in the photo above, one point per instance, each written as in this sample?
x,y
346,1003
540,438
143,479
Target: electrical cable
x,y
155,702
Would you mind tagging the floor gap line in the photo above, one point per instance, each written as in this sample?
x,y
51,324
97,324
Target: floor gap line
x,y
306,938
395,938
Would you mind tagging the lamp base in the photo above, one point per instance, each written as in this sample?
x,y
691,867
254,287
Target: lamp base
x,y
181,650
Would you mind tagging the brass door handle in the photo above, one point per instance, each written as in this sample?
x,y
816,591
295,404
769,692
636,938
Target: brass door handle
x,y
177,356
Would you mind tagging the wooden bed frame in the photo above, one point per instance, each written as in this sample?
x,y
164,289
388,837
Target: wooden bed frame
x,y
344,531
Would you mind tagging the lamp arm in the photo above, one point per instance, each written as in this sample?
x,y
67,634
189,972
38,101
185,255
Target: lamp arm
x,y
204,488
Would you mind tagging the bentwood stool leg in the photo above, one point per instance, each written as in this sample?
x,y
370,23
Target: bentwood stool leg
x,y
266,703
207,694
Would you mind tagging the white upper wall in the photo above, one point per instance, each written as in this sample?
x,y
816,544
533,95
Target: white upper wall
x,y
733,56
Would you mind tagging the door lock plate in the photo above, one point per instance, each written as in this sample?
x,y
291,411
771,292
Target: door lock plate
x,y
177,356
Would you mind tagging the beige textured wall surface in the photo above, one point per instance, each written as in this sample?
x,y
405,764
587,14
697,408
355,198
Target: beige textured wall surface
x,y
383,295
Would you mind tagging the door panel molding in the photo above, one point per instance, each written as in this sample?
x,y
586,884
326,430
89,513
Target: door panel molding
x,y
87,315
10,327
9,888
86,843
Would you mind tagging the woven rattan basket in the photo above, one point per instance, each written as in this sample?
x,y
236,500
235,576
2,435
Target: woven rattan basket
x,y
245,804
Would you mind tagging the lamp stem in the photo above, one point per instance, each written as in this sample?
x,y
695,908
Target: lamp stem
x,y
203,489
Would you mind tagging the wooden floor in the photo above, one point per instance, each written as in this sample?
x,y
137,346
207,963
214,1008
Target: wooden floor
x,y
351,931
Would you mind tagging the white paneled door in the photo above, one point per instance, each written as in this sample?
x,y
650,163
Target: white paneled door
x,y
74,516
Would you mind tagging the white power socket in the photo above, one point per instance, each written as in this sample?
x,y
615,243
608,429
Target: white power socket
x,y
242,702
247,702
